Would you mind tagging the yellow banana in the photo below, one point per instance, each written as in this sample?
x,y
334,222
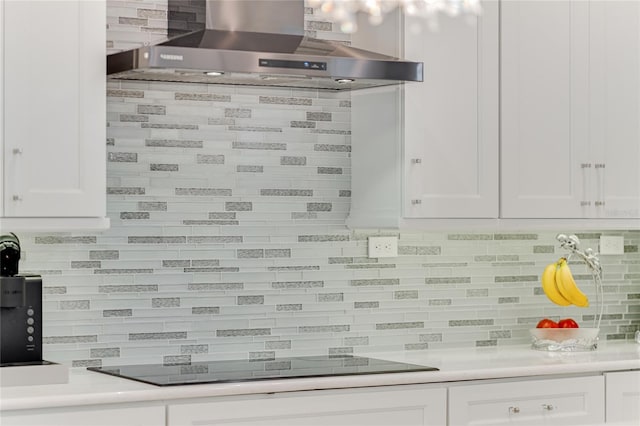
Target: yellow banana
x,y
567,285
550,286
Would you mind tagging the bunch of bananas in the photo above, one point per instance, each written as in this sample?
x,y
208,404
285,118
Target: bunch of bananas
x,y
560,287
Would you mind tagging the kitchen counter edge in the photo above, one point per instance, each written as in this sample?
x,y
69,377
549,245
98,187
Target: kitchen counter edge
x,y
91,388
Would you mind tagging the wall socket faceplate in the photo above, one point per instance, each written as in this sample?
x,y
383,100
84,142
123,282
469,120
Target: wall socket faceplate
x,y
383,247
610,244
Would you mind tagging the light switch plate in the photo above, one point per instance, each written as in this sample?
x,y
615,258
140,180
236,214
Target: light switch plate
x,y
383,247
610,244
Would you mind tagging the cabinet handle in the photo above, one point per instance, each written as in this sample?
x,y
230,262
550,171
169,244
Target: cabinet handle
x,y
16,198
514,410
414,202
585,165
547,407
599,165
416,161
585,203
599,203
17,151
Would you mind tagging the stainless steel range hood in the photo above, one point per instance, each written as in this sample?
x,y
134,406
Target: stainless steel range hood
x,y
255,43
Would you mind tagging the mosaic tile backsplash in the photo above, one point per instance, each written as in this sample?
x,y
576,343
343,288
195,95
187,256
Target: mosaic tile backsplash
x,y
228,240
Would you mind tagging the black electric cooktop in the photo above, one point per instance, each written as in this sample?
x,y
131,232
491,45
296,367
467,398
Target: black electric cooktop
x,y
245,370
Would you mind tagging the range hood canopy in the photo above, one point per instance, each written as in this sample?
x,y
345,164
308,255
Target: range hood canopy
x,y
255,43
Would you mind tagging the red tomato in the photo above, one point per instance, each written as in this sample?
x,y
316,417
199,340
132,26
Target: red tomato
x,y
547,323
567,323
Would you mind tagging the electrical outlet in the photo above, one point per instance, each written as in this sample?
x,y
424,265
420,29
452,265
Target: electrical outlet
x,y
610,244
383,247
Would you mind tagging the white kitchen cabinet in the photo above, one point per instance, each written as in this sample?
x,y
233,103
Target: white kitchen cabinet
x,y
430,149
561,401
87,416
570,109
561,78
544,109
384,406
451,120
53,130
623,397
614,120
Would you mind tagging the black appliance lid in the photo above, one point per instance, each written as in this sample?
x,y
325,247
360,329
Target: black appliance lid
x,y
245,370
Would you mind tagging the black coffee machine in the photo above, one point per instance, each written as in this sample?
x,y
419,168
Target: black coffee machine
x,y
20,308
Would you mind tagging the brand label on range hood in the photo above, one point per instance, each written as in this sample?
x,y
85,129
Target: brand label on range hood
x,y
279,63
169,57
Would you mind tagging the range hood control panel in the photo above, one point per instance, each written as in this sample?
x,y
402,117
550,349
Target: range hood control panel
x,y
279,63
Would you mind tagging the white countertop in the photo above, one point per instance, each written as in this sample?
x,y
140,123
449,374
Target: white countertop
x,y
88,388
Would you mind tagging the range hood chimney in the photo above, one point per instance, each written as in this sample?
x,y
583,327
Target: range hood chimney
x,y
255,43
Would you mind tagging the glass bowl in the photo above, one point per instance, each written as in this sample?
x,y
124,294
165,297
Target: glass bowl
x,y
564,339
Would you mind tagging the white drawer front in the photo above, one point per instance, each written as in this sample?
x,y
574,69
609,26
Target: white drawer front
x,y
86,416
407,405
623,397
569,401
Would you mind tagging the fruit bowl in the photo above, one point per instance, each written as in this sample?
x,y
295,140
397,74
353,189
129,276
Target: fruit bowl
x,y
560,287
564,339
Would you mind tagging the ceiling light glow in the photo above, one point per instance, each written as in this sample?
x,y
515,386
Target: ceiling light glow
x,y
344,12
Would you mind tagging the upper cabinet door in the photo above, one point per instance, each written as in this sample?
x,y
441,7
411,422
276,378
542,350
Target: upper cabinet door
x,y
54,108
451,119
545,168
614,123
532,112
429,150
570,93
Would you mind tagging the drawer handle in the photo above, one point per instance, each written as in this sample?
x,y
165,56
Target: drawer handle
x,y
514,410
547,407
416,161
16,198
416,201
17,151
